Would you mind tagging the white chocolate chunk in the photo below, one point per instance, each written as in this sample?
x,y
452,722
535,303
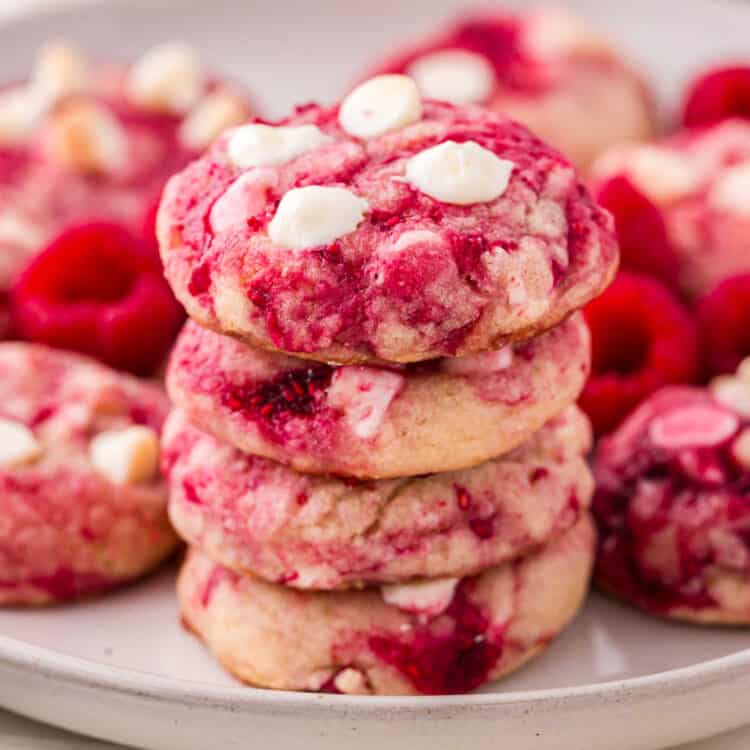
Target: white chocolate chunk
x,y
731,191
126,456
662,174
18,445
86,137
210,118
244,198
60,70
455,76
21,111
351,681
380,105
732,392
696,425
364,395
459,173
315,215
259,145
18,231
478,364
168,78
430,597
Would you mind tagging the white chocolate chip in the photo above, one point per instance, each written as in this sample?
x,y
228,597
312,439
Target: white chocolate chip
x,y
18,231
380,105
695,425
315,215
351,681
210,118
731,192
86,137
259,145
430,597
479,364
454,75
168,78
732,392
21,111
459,173
663,174
18,445
741,448
126,456
60,70
364,395
244,198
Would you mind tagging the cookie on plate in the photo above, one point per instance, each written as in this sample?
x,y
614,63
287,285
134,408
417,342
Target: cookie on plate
x,y
384,229
264,519
441,636
542,66
84,508
375,422
673,504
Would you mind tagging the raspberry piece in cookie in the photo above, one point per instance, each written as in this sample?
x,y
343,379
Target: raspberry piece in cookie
x,y
642,339
681,205
314,532
98,289
673,508
719,94
442,636
385,229
543,67
373,422
83,505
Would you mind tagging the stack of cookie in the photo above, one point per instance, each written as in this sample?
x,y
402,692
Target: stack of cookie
x,y
374,454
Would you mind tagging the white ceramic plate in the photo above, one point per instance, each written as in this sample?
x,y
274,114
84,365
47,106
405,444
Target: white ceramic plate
x,y
122,669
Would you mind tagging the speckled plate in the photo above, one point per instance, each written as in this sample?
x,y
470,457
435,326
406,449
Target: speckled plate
x,y
122,668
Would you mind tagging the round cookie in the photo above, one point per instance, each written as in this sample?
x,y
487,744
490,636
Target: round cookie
x,y
372,422
266,520
673,505
82,141
443,636
83,506
383,229
681,205
542,66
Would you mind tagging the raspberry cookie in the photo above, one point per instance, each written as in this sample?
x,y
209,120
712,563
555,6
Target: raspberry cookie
x,y
384,229
81,140
264,519
673,504
440,636
682,206
372,422
82,503
544,67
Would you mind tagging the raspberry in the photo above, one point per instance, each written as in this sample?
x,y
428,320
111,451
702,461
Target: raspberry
x,y
717,95
723,314
644,244
97,289
642,339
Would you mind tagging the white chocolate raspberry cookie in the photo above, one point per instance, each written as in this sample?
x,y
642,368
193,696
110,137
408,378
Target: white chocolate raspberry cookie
x,y
373,422
84,508
444,636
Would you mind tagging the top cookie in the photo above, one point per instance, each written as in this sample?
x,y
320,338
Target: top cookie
x,y
384,229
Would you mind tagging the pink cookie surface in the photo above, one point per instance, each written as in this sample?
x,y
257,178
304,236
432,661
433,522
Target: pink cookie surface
x,y
417,278
355,642
308,532
68,530
376,422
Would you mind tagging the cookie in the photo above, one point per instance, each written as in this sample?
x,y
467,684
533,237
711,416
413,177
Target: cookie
x,y
542,66
375,422
672,505
266,520
681,205
384,229
442,636
83,506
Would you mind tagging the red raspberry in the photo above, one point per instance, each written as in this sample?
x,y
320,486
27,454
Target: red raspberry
x,y
644,244
642,339
717,95
723,317
99,290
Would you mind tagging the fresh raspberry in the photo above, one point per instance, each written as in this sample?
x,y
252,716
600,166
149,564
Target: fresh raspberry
x,y
642,339
723,316
99,290
717,95
644,244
